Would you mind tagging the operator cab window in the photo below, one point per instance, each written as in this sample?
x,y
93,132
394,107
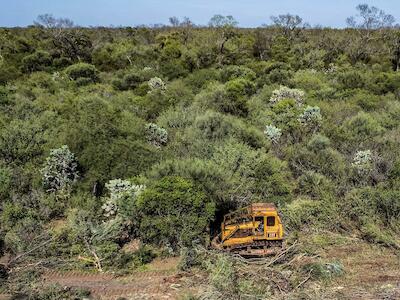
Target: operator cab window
x,y
270,221
260,227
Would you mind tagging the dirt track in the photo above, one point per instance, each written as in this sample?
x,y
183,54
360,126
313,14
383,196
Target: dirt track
x,y
145,285
160,284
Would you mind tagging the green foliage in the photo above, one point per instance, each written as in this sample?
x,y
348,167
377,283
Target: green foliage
x,y
5,182
222,274
377,204
324,271
235,72
318,143
82,73
228,98
156,136
174,212
4,96
38,61
361,127
350,80
129,81
308,213
195,122
60,170
143,255
315,185
21,142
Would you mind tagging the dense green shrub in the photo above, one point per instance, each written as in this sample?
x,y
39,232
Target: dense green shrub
x,y
82,73
182,125
21,142
315,185
361,127
38,61
235,72
350,80
228,98
129,81
304,213
5,182
174,212
4,96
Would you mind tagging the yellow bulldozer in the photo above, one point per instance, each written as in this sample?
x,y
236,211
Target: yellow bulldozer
x,y
254,230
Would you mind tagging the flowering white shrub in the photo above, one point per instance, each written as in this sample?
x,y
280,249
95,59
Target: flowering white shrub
x,y
156,135
362,161
156,83
60,170
311,116
287,93
273,133
119,188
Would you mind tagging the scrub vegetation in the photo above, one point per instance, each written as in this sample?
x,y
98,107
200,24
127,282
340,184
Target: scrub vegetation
x,y
111,136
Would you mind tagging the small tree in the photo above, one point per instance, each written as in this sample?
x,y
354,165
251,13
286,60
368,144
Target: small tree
x,y
50,22
289,24
370,24
156,135
370,18
225,28
174,21
60,170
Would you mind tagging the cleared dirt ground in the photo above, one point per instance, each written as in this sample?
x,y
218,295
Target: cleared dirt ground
x,y
371,272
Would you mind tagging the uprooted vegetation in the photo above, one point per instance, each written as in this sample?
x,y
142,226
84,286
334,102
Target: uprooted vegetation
x,y
133,144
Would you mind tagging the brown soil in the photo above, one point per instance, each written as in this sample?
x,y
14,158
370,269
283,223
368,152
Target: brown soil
x,y
159,281
371,272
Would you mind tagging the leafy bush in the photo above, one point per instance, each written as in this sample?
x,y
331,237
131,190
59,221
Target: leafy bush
x,y
362,161
120,191
361,127
350,80
129,81
60,170
305,213
273,133
287,93
143,255
318,143
156,136
234,72
324,270
174,212
311,117
5,183
82,73
4,96
38,61
315,185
